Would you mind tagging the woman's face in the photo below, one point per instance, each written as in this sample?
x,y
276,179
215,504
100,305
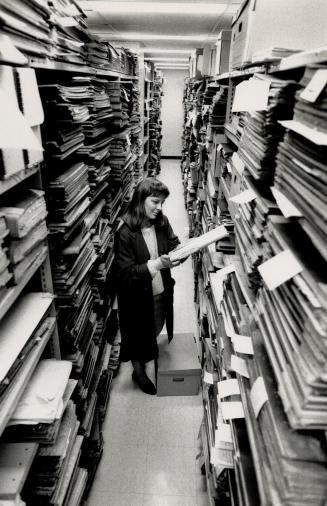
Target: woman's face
x,y
152,206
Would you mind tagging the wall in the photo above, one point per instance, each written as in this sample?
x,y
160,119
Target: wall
x,y
172,112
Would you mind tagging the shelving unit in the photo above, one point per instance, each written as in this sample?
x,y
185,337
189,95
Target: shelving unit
x,y
236,309
79,321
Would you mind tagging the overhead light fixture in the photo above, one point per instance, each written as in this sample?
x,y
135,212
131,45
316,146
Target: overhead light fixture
x,y
166,59
171,68
139,36
159,8
167,51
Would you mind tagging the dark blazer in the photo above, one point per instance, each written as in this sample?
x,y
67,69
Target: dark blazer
x,y
134,290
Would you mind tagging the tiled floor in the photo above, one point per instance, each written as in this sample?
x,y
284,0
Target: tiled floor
x,y
151,442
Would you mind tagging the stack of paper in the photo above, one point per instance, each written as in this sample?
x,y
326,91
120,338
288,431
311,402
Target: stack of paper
x,y
69,32
255,204
97,53
286,461
5,275
292,318
96,151
53,467
268,100
19,334
301,159
217,111
27,25
120,102
197,243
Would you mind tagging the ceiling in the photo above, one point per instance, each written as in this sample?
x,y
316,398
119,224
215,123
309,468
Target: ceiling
x,y
160,25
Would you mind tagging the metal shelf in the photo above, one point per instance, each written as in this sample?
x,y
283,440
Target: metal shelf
x,y
231,135
145,140
145,158
13,292
74,67
9,183
18,384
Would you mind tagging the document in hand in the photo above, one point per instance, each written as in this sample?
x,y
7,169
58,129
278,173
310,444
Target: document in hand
x,y
196,243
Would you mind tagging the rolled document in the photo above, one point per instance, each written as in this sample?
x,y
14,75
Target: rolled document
x,y
196,243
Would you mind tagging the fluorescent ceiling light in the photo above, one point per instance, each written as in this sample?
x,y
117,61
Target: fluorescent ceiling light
x,y
161,65
154,36
170,59
167,51
190,9
171,68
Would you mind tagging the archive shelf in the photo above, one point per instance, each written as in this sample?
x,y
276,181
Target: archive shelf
x,y
207,203
18,385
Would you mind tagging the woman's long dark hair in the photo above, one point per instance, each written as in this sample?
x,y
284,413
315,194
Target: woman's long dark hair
x,y
135,214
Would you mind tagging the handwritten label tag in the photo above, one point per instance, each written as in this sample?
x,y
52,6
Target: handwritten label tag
x,y
259,395
239,365
226,270
232,410
279,269
242,344
317,83
227,388
243,197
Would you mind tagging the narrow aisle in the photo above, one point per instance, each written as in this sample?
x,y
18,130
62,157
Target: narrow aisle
x,y
151,442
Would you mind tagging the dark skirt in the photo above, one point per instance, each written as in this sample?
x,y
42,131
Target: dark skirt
x,y
159,312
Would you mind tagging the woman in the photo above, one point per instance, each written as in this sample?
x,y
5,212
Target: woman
x,y
144,282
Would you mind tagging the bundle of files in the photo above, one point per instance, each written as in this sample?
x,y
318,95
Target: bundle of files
x,y
27,26
301,162
92,451
292,317
68,201
262,131
96,149
217,109
69,32
72,265
52,474
5,275
120,103
97,53
286,462
38,415
250,225
122,163
25,329
25,220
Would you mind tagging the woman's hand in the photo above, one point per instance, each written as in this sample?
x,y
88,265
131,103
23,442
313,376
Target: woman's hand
x,y
166,262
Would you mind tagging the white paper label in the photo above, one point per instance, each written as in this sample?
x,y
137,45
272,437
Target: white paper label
x,y
223,434
244,197
226,270
312,91
227,388
251,95
279,269
221,457
239,365
242,344
238,163
259,395
316,136
208,378
288,209
232,410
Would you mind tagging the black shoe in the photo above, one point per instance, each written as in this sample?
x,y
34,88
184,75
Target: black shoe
x,y
144,383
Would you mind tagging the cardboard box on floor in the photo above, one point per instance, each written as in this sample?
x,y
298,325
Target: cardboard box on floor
x,y
179,371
